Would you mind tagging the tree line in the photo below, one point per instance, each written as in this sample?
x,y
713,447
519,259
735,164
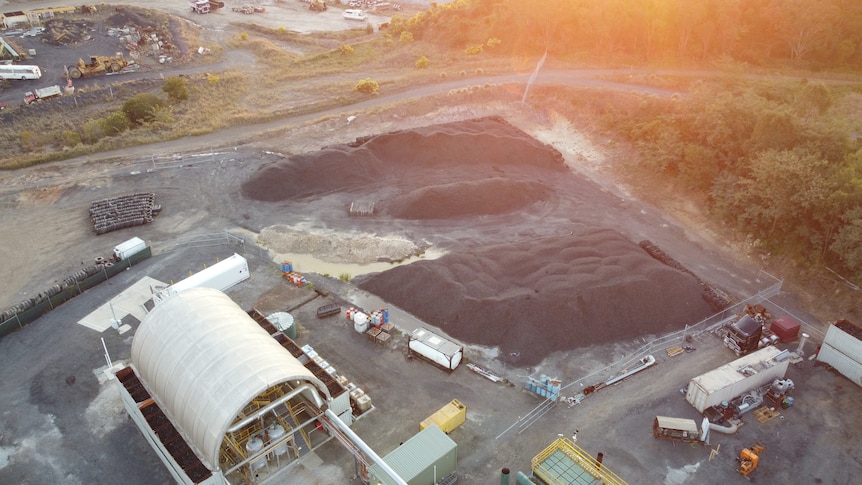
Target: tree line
x,y
821,34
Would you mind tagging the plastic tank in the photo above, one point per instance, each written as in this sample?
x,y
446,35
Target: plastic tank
x,y
284,321
360,322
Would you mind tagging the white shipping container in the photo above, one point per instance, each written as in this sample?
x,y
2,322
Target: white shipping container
x,y
844,342
435,348
735,378
848,367
129,248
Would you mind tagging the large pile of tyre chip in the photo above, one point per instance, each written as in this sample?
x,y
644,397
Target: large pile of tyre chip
x,y
717,300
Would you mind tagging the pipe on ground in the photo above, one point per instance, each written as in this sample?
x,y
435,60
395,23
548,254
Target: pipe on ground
x,y
356,440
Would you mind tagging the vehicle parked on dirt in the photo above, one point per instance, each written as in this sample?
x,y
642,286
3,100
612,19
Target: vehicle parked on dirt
x,y
98,65
19,71
42,93
355,14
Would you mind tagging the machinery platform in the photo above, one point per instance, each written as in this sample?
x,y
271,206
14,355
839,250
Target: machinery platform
x,y
764,414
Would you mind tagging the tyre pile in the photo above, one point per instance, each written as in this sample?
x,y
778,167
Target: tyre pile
x,y
69,282
124,211
717,301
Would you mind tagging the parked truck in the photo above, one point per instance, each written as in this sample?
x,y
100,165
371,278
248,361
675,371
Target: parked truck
x,y
42,93
129,248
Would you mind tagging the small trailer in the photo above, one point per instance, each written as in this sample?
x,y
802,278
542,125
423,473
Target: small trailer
x,y
680,429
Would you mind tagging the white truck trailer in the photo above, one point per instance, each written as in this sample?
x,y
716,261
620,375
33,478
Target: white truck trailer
x,y
221,276
738,377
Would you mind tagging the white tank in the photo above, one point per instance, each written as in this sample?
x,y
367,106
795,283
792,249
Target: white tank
x,y
360,322
253,446
276,432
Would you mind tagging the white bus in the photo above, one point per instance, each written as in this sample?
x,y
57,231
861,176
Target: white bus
x,y
13,71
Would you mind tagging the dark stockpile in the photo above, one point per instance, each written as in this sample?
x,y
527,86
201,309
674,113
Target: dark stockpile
x,y
593,286
467,151
556,293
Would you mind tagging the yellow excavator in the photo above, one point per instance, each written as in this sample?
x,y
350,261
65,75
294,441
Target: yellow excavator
x,y
749,457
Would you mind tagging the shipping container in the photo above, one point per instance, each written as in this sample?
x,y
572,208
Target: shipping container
x,y
736,378
843,363
447,418
845,337
435,349
786,328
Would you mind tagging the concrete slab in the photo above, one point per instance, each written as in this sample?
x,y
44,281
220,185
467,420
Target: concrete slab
x,y
128,302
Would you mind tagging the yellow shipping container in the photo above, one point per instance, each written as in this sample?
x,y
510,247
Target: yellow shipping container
x,y
447,418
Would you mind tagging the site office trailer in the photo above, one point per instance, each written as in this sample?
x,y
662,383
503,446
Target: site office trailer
x,y
842,349
736,378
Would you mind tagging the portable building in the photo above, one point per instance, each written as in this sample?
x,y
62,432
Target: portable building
x,y
435,349
425,459
842,349
736,378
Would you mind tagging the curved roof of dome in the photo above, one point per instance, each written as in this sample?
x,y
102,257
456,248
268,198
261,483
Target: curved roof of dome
x,y
203,359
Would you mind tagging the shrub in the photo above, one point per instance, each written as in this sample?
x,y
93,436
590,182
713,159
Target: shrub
x,y
116,123
71,138
212,79
176,88
368,86
28,140
423,62
243,36
369,29
472,50
346,49
140,108
406,36
493,41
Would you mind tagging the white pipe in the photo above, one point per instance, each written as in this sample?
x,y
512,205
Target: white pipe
x,y
356,440
274,404
647,361
724,429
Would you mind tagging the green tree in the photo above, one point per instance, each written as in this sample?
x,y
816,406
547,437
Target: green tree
x,y
176,88
140,108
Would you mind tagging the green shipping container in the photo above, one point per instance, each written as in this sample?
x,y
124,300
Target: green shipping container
x,y
425,459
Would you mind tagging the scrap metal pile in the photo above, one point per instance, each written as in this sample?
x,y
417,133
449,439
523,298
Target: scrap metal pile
x,y
124,211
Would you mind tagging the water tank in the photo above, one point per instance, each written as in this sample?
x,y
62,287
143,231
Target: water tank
x,y
284,322
360,322
276,432
253,446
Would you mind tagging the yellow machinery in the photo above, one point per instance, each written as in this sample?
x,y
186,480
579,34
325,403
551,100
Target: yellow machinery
x,y
98,65
749,457
447,418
